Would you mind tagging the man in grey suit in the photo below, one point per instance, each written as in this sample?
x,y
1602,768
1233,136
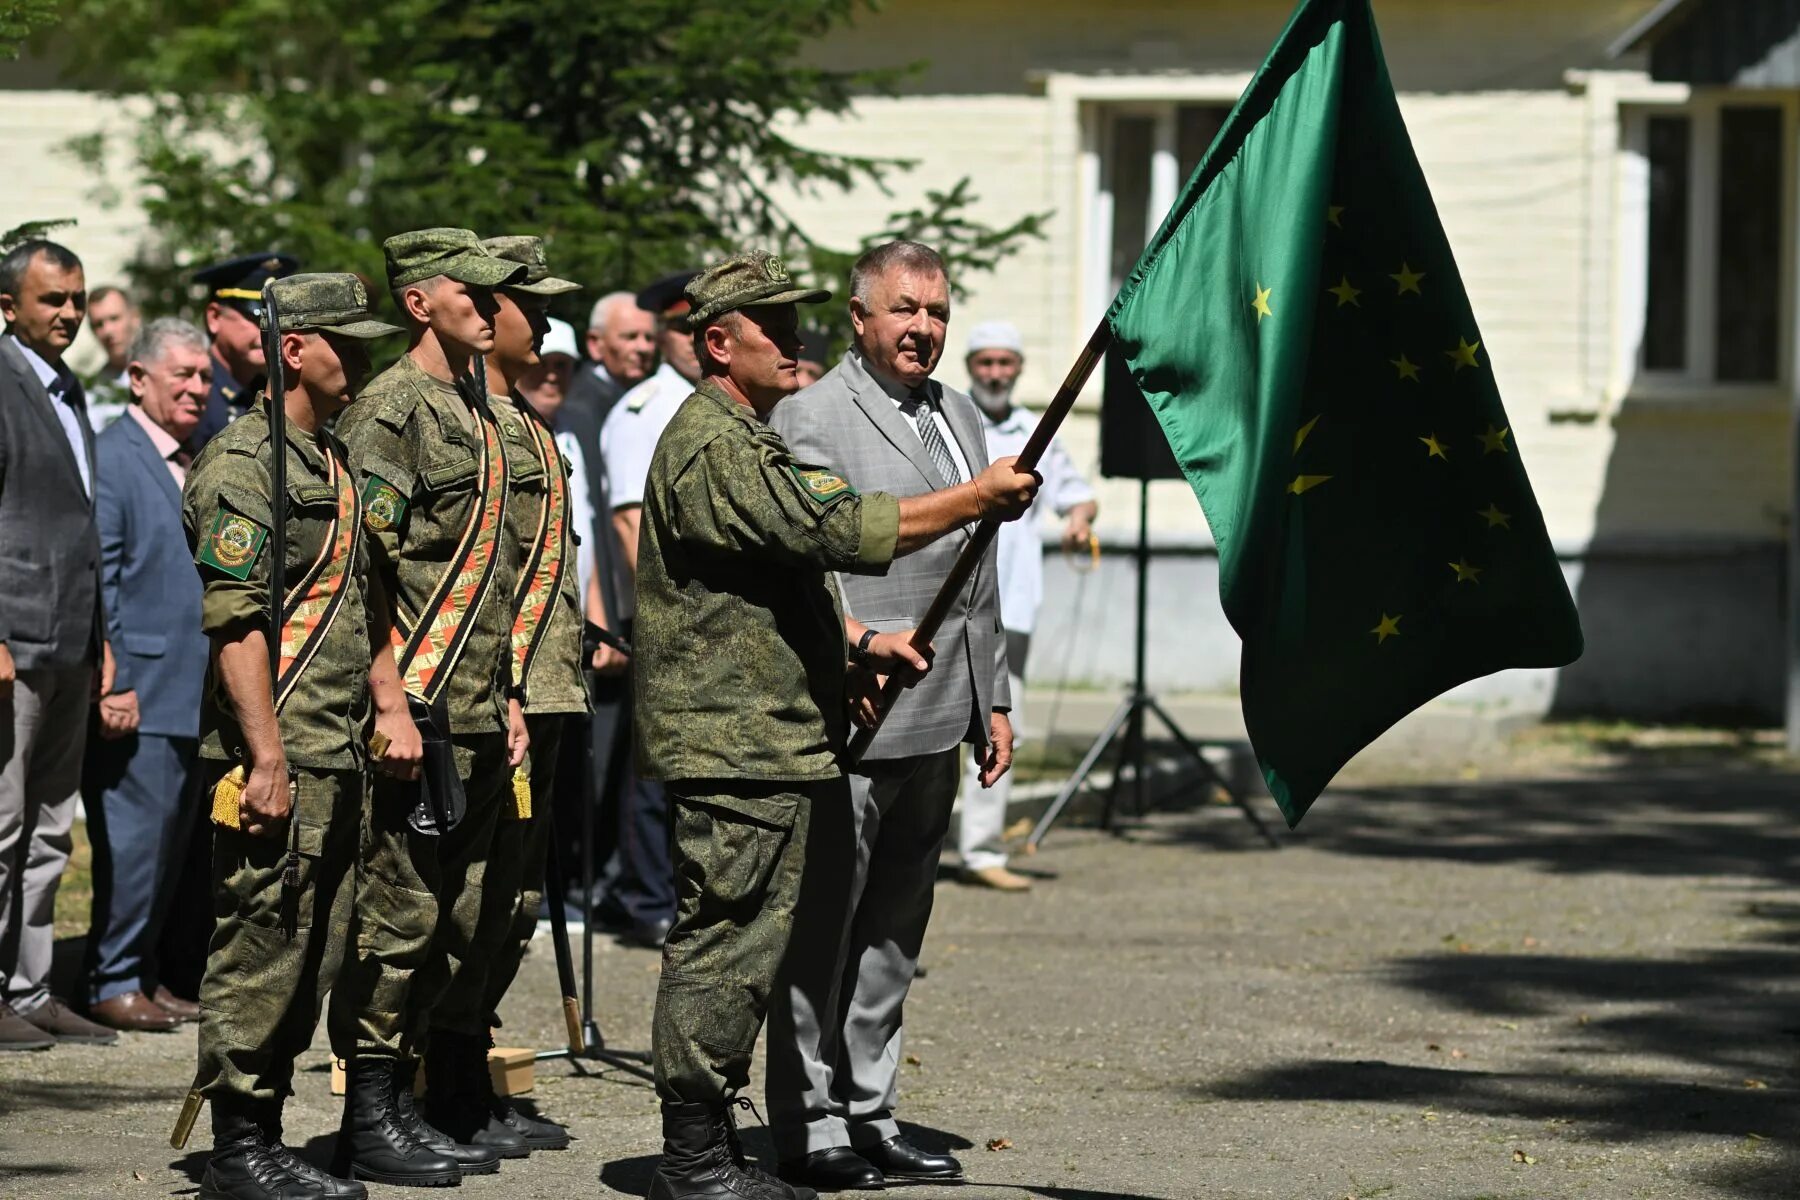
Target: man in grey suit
x,y
138,784
835,1024
51,638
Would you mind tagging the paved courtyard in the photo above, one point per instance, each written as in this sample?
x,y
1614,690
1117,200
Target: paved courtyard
x,y
1558,971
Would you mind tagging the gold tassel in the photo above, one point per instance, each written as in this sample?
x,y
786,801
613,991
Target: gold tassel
x,y
184,1122
522,792
226,794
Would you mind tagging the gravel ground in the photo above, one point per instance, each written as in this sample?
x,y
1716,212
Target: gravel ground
x,y
1569,971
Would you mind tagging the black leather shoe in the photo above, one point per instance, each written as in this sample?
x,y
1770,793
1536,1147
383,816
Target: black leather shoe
x,y
898,1158
376,1141
242,1166
470,1159
834,1169
652,933
458,1091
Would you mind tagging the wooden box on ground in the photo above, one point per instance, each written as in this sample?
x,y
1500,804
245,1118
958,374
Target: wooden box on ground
x,y
513,1069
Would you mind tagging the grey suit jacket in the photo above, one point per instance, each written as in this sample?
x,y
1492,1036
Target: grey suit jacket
x,y
49,547
847,423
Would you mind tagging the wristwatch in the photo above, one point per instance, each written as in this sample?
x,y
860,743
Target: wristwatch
x,y
859,653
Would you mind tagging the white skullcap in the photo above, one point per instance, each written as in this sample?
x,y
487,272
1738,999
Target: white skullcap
x,y
996,335
559,340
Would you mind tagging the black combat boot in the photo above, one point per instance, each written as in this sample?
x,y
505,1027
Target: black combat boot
x,y
242,1166
268,1117
468,1108
376,1142
700,1160
474,1160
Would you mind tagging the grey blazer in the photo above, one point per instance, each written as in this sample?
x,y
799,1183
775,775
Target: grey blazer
x,y
49,546
846,422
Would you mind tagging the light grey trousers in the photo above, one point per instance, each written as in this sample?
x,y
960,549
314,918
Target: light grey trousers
x,y
981,827
835,1023
44,727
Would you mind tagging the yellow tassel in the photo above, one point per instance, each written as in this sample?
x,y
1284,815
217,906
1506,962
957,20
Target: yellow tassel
x,y
225,798
522,792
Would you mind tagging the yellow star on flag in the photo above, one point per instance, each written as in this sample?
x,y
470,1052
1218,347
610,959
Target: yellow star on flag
x,y
1464,354
1332,213
1305,483
1492,440
1346,294
1465,573
1261,303
1305,431
1434,448
1389,627
1406,368
1408,280
1494,517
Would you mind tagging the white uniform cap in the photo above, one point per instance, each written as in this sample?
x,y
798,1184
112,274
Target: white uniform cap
x,y
996,335
559,340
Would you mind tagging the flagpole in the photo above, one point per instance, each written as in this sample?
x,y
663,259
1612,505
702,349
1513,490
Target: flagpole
x,y
977,545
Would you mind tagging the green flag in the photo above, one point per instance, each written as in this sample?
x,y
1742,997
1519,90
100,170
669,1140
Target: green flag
x,y
1299,327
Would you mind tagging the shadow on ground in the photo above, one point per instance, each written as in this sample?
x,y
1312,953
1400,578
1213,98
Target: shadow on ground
x,y
1723,1022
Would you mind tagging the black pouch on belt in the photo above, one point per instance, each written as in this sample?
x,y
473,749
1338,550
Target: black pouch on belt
x,y
442,801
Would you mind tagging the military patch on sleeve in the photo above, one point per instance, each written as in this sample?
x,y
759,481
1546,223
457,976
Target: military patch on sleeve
x,y
232,544
383,505
827,487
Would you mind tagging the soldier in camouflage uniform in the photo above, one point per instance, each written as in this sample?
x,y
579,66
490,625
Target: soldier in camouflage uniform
x,y
433,472
743,712
285,850
546,659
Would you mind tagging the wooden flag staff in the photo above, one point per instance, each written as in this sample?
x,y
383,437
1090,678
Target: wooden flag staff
x,y
977,545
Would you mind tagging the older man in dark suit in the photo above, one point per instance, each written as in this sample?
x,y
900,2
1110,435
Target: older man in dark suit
x,y
882,422
138,783
51,632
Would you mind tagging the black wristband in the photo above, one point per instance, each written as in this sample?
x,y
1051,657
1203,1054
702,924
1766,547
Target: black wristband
x,y
859,654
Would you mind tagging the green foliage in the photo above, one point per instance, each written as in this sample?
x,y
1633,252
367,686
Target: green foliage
x,y
32,230
637,138
19,19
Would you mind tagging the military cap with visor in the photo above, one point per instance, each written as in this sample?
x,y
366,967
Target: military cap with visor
x,y
238,282
328,302
745,281
537,280
454,253
664,296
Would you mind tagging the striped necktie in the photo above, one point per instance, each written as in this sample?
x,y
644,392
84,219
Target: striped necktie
x,y
924,414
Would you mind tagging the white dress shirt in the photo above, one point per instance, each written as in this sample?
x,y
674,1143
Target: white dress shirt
x,y
902,401
1020,558
67,400
581,511
629,436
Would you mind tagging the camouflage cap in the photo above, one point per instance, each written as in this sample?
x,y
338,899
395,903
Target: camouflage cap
x,y
456,253
537,280
332,302
744,281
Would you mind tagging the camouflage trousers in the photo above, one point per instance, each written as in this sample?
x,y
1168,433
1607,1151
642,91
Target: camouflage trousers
x,y
516,866
740,850
417,947
275,950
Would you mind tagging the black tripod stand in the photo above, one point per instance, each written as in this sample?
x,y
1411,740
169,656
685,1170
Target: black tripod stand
x,y
593,1045
1128,718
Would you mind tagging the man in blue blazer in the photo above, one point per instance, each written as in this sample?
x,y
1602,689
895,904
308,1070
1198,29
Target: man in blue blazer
x,y
138,784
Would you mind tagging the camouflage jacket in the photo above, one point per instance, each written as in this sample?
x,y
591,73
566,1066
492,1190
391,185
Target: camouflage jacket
x,y
325,712
432,470
740,632
546,601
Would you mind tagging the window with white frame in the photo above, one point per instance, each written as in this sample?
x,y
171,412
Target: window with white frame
x,y
1145,151
1710,197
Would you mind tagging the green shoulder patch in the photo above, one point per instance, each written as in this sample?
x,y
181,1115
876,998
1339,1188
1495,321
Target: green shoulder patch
x,y
827,487
232,544
383,505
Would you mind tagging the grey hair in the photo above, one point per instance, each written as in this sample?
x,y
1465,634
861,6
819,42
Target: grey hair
x,y
879,260
18,260
154,339
604,305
